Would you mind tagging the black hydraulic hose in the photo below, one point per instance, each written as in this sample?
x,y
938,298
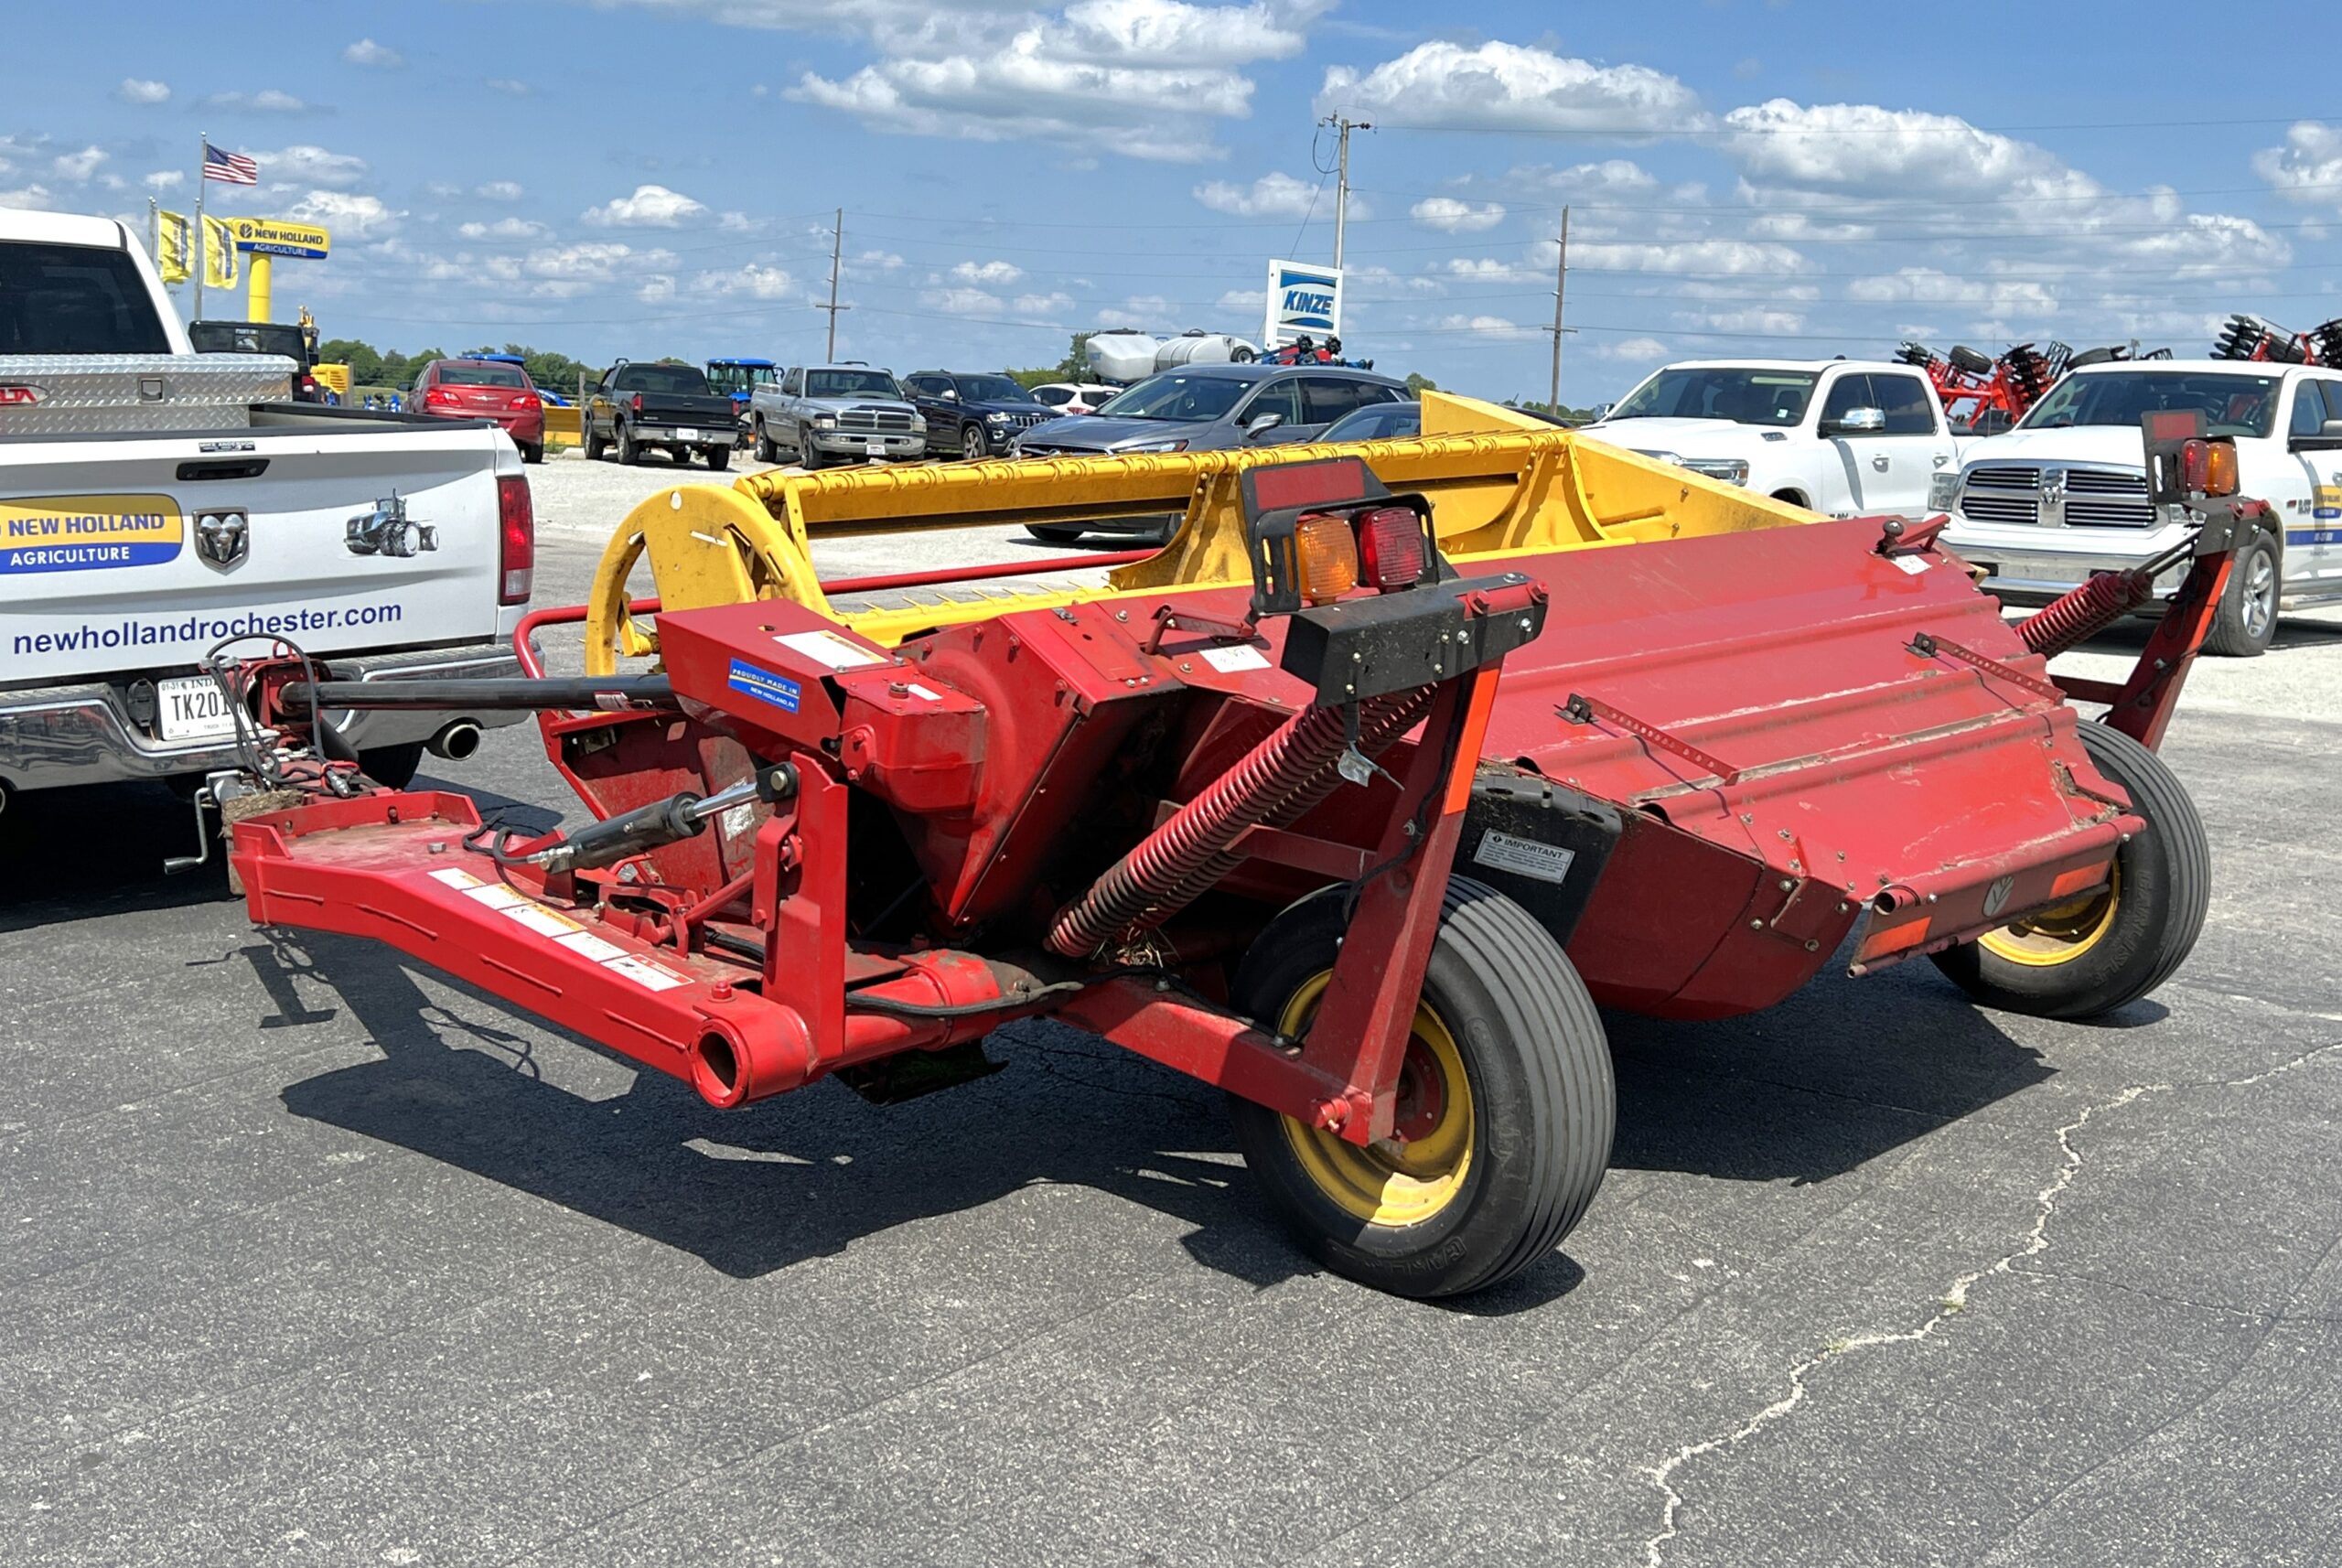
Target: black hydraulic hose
x,y
608,692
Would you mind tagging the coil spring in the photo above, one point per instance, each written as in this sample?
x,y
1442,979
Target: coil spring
x,y
1176,863
2083,612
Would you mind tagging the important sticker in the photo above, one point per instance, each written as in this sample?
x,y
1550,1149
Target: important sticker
x,y
454,878
649,975
85,533
1229,661
586,945
495,895
540,920
764,686
828,648
1524,857
1911,565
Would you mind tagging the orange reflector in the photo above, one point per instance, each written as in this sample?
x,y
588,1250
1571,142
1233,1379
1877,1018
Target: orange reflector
x,y
1328,557
2069,883
2220,469
1895,939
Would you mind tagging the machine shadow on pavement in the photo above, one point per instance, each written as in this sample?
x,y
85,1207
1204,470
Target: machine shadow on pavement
x,y
1805,1093
87,853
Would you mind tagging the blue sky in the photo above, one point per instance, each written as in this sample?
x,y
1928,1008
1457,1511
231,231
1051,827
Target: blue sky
x,y
1745,177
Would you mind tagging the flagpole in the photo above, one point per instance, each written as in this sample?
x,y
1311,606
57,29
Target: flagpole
x,y
202,243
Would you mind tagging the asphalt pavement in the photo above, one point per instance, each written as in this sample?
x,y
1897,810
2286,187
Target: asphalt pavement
x,y
309,1255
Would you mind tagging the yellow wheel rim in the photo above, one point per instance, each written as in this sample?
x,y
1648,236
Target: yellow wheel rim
x,y
1408,1179
708,545
2047,937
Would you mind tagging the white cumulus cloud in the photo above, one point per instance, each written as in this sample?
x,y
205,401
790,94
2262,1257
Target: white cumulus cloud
x,y
78,166
352,218
988,273
2308,167
306,165
367,52
961,301
138,90
1271,196
651,207
1449,216
1511,87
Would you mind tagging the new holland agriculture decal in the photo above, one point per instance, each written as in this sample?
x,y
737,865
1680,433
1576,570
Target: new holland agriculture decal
x,y
85,533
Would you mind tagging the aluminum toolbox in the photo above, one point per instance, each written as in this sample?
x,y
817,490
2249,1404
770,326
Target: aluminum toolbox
x,y
93,394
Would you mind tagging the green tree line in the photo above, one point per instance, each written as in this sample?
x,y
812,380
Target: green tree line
x,y
372,367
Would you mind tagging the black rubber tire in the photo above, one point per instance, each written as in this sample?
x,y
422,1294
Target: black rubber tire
x,y
2233,633
1789,496
809,456
1051,534
1538,1067
534,452
971,441
1963,358
766,451
2165,887
1241,356
391,766
630,453
2092,357
595,445
719,458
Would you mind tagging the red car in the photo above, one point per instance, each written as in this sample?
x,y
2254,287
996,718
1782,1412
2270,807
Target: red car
x,y
485,389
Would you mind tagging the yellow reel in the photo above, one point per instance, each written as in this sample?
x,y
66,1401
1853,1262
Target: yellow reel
x,y
708,545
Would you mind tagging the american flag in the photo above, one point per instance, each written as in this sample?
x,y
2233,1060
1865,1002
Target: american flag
x,y
232,168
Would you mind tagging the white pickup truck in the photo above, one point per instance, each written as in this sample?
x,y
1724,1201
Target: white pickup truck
x,y
1847,437
2063,494
148,512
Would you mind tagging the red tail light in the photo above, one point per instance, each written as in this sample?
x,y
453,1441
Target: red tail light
x,y
1391,547
516,521
524,401
439,397
637,402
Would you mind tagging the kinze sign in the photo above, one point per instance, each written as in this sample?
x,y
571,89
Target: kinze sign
x,y
272,237
1304,299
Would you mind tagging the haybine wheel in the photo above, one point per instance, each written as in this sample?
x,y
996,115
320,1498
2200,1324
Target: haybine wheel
x,y
2116,944
708,545
1505,1112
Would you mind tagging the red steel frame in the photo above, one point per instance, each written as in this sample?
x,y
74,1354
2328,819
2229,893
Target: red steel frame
x,y
575,948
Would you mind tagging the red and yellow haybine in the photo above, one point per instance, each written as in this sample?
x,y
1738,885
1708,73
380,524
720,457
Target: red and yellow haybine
x,y
1353,802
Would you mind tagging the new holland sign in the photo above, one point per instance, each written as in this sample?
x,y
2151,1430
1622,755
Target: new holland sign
x,y
1304,299
275,237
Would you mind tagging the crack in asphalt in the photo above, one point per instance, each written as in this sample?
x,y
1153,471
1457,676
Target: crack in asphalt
x,y
1953,1302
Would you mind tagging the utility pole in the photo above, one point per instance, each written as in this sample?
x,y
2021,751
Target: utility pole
x,y
1561,276
837,250
1343,126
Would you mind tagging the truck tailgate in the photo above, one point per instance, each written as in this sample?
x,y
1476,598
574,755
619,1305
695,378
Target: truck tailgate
x,y
139,553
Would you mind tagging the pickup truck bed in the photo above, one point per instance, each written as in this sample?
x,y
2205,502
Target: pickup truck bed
x,y
126,557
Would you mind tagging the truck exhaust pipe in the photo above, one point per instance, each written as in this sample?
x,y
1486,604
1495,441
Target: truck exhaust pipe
x,y
455,741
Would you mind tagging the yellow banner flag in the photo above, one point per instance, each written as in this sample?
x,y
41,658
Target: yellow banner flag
x,y
174,247
218,253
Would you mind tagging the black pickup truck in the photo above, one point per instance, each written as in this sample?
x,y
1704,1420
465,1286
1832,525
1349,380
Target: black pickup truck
x,y
640,405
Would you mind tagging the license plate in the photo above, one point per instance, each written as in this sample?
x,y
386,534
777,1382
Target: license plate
x,y
875,449
687,435
191,707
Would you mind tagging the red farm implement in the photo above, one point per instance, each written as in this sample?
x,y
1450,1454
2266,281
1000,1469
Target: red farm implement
x,y
1362,841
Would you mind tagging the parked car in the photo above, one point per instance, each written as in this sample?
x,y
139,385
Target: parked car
x,y
484,389
147,530
1377,421
976,415
640,405
1204,408
1841,436
1072,397
2064,494
264,337
815,413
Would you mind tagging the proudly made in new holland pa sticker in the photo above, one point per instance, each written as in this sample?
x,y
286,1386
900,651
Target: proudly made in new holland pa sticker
x,y
764,686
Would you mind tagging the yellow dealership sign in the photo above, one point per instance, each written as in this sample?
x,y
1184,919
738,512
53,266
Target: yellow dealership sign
x,y
275,237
